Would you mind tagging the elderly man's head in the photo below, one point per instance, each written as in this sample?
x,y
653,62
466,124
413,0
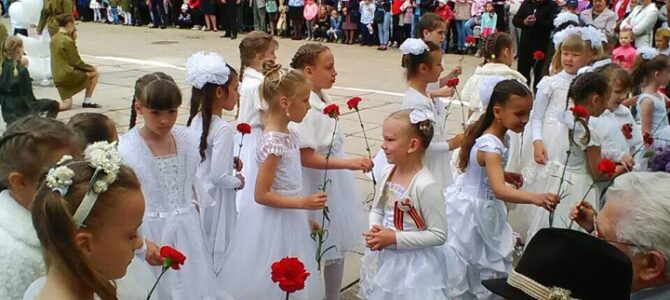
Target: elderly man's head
x,y
636,219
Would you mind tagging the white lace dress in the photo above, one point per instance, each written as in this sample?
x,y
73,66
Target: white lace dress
x,y
264,234
578,179
251,109
480,241
344,200
215,185
170,217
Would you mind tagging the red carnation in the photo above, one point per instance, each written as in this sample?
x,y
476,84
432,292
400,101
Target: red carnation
x,y
648,139
627,130
470,39
453,82
579,111
290,274
538,55
244,128
353,103
172,258
332,110
607,166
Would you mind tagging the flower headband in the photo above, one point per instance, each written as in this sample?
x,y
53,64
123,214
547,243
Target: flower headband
x,y
594,36
417,116
647,53
203,68
414,47
565,17
486,88
105,158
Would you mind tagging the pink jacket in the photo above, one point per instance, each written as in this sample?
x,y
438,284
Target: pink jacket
x,y
311,9
624,56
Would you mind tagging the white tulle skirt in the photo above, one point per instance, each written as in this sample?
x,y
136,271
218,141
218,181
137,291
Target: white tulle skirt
x,y
577,182
264,235
345,206
479,244
246,196
404,274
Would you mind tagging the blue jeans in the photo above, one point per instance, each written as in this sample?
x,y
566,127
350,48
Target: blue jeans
x,y
5,6
415,25
384,29
115,15
469,26
461,34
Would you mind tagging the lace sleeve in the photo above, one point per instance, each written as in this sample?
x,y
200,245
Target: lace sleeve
x,y
276,143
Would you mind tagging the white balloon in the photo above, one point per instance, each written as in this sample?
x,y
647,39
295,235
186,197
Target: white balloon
x,y
32,10
17,13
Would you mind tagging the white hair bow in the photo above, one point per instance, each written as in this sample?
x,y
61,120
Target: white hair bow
x,y
414,47
565,17
594,36
647,53
203,68
420,115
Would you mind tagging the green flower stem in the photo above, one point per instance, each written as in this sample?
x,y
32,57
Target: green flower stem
x,y
157,280
367,148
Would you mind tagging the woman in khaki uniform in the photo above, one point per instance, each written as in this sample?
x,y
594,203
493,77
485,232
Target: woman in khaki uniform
x,y
70,74
51,9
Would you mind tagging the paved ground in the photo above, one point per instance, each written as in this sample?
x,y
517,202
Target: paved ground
x,y
122,54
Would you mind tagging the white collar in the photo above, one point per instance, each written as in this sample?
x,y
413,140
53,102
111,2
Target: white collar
x,y
563,74
251,72
319,102
16,220
499,70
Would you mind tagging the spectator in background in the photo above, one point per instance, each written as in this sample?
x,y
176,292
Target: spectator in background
x,y
641,21
535,18
310,13
230,7
335,29
625,54
384,27
461,15
258,8
444,11
599,16
349,25
196,14
661,40
209,10
476,10
185,20
514,31
635,219
396,27
272,10
295,13
663,14
160,16
367,12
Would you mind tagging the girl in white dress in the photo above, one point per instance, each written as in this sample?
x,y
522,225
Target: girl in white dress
x,y
165,161
407,220
591,91
28,147
423,64
650,73
216,179
256,48
480,241
276,224
87,246
345,203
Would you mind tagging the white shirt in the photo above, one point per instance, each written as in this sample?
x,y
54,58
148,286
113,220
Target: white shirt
x,y
642,21
251,104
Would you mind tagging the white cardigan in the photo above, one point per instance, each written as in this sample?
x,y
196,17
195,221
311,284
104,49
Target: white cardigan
x,y
21,258
642,21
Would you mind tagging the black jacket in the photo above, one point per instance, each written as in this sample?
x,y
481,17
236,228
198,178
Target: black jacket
x,y
536,37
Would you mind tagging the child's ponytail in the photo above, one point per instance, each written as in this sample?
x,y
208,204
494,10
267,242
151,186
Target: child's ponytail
x,y
501,93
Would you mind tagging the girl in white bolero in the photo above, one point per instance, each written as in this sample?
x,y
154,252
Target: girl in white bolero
x,y
407,220
642,20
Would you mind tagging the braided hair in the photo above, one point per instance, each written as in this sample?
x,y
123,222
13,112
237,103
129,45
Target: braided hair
x,y
201,101
582,88
307,55
27,145
494,46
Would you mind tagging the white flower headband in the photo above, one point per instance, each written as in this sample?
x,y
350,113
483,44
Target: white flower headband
x,y
417,116
486,88
594,36
414,47
203,68
647,53
105,158
565,17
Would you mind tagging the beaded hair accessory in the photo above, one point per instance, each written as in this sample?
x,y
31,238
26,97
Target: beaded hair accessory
x,y
203,68
413,47
105,158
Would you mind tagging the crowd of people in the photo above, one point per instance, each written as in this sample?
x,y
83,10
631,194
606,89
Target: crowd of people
x,y
555,161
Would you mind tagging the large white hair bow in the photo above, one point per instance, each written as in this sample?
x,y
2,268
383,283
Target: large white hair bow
x,y
203,68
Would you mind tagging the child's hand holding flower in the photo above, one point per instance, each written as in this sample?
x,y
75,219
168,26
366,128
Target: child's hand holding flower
x,y
584,214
